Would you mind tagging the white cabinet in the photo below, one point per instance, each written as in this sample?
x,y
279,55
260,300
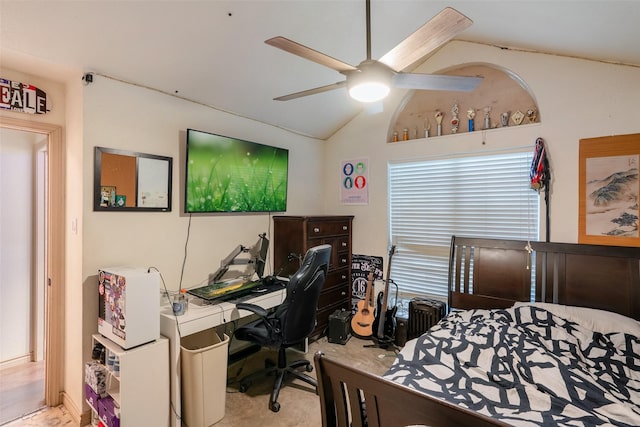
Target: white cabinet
x,y
141,389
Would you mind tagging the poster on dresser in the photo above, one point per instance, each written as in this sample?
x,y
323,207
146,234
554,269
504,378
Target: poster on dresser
x,y
361,265
354,182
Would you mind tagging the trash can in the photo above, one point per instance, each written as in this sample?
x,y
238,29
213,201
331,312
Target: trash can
x,y
204,377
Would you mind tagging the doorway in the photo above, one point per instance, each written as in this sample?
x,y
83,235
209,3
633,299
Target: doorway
x,y
32,363
23,178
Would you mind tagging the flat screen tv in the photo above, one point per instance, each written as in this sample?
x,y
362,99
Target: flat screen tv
x,y
226,174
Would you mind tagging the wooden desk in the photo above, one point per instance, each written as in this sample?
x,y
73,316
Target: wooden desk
x,y
196,319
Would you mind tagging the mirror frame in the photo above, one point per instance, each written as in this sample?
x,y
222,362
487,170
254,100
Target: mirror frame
x,y
98,151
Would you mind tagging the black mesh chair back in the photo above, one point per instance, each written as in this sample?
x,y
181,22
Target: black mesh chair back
x,y
298,312
291,323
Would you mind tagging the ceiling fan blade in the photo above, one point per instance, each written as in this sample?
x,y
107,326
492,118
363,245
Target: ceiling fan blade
x,y
435,82
311,91
436,32
308,53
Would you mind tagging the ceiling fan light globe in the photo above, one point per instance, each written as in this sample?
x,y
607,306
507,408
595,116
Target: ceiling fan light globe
x,y
369,91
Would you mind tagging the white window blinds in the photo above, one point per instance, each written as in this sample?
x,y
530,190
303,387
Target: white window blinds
x,y
429,201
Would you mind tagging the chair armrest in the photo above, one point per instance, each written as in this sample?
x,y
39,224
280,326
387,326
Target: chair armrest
x,y
253,308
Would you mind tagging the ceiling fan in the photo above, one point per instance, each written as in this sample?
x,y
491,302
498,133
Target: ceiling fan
x,y
371,80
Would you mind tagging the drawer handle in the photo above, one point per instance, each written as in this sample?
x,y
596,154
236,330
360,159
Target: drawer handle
x,y
345,228
344,277
316,230
344,260
344,244
343,293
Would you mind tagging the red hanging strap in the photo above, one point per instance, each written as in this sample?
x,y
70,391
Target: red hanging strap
x,y
539,173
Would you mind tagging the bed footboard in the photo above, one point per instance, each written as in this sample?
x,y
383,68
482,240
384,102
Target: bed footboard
x,y
350,397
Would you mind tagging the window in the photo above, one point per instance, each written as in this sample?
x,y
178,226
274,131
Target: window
x,y
429,201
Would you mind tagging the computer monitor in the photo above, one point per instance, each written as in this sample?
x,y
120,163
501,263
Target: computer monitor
x,y
259,254
257,258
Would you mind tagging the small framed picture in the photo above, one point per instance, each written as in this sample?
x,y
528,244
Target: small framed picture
x,y
107,196
121,200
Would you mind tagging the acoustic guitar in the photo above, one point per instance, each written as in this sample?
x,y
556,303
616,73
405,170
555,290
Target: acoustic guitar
x,y
362,321
384,324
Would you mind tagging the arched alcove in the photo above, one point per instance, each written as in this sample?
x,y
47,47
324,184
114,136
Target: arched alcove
x,y
501,92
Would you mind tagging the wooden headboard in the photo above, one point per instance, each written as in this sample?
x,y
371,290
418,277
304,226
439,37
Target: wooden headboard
x,y
494,273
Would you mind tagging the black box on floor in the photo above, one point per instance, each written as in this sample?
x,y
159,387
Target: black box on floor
x,y
339,329
402,329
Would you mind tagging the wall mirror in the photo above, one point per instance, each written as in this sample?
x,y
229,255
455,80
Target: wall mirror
x,y
130,181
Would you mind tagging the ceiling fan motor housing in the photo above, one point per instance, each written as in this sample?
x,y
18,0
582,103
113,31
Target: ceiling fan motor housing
x,y
370,82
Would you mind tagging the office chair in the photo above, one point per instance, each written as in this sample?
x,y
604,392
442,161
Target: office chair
x,y
290,323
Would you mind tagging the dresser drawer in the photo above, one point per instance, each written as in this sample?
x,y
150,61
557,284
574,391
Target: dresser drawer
x,y
336,278
343,244
333,295
343,261
327,228
340,250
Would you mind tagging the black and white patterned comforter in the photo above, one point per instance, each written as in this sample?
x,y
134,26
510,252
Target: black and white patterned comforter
x,y
526,367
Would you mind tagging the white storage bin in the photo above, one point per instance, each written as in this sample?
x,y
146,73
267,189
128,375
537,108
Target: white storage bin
x,y
204,377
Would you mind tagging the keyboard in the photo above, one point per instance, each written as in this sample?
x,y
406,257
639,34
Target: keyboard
x,y
219,292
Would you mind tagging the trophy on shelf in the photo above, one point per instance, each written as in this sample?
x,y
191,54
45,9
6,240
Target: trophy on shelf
x,y
439,116
532,115
427,127
471,114
504,119
455,121
517,117
487,118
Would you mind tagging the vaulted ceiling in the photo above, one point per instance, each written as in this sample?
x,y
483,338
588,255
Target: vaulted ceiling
x,y
213,52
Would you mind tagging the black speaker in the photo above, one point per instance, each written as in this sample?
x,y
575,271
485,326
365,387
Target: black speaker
x,y
423,314
339,328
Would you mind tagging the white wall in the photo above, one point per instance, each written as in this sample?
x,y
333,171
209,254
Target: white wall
x,y
77,347
16,219
576,99
123,116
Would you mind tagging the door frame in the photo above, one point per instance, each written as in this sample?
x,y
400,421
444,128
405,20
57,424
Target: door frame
x,y
54,305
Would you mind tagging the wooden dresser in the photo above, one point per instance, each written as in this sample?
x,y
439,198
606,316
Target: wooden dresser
x,y
295,235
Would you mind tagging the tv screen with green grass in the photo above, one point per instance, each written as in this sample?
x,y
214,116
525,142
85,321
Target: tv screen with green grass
x,y
226,174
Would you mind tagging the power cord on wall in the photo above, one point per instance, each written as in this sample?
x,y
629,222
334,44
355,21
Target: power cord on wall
x,y
186,245
166,292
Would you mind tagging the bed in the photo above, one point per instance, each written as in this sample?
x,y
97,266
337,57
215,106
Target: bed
x,y
570,358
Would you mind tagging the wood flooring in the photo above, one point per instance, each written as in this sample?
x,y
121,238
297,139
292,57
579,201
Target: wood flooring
x,y
21,390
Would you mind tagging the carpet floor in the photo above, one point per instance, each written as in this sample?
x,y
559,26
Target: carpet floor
x,y
300,405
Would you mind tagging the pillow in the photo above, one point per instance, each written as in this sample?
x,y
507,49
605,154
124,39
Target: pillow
x,y
596,320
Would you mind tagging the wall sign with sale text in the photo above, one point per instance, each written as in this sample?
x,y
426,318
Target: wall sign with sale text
x,y
22,97
354,181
